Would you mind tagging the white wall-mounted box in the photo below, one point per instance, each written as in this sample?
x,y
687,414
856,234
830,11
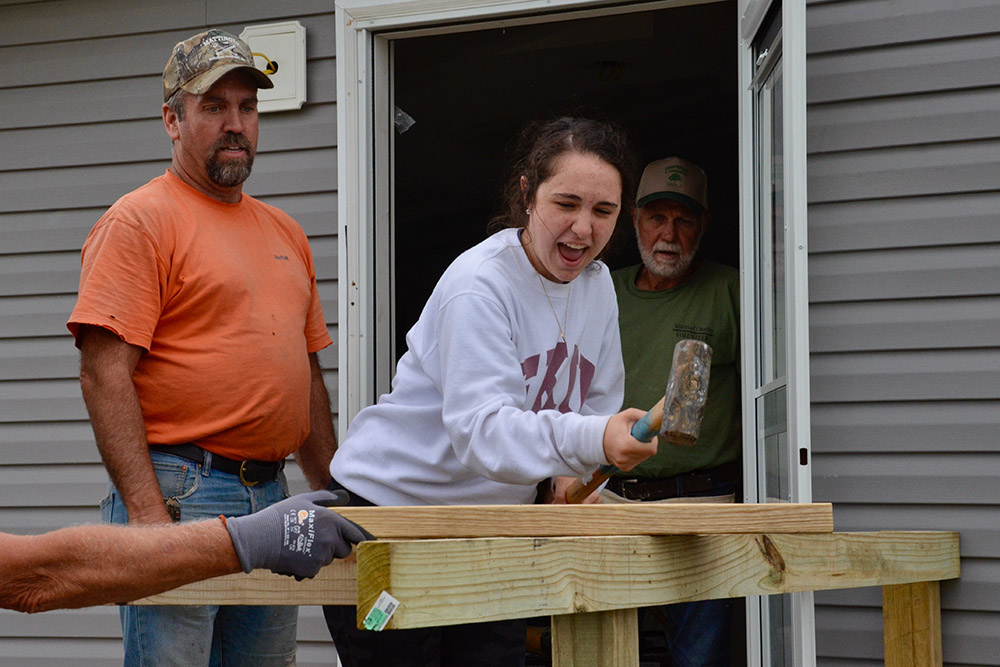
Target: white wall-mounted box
x,y
283,45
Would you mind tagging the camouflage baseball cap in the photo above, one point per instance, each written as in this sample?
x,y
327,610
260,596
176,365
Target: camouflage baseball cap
x,y
674,178
198,62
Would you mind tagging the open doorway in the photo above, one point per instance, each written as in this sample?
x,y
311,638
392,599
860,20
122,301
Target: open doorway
x,y
669,76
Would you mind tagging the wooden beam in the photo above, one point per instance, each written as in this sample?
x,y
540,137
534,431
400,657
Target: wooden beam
x,y
580,574
912,624
336,583
598,639
447,582
439,522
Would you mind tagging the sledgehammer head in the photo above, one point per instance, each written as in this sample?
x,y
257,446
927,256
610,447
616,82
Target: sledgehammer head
x,y
687,389
677,416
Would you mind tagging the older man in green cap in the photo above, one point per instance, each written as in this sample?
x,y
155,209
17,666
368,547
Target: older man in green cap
x,y
198,322
670,296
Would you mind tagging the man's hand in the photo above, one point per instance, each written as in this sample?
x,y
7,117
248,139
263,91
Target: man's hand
x,y
560,485
297,536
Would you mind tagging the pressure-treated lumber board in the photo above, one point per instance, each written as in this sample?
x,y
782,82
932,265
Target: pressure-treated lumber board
x,y
911,621
444,582
598,639
434,522
694,567
337,583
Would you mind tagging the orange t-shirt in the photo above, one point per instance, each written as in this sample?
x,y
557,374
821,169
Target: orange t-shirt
x,y
223,297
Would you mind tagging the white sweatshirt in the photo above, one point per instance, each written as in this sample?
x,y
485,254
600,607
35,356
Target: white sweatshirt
x,y
488,400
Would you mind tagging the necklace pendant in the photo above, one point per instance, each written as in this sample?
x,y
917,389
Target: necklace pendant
x,y
562,334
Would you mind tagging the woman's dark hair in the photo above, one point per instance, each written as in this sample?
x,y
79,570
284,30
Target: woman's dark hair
x,y
542,143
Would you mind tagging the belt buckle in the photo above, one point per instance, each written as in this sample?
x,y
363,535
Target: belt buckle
x,y
243,480
630,490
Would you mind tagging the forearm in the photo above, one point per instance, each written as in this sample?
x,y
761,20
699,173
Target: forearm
x,y
116,417
89,565
121,440
315,453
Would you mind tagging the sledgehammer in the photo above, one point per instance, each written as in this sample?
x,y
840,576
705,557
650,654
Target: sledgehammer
x,y
677,416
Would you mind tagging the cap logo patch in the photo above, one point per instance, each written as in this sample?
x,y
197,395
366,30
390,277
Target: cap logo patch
x,y
224,47
675,173
225,53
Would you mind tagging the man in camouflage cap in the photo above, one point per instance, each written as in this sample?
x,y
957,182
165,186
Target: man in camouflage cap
x,y
199,323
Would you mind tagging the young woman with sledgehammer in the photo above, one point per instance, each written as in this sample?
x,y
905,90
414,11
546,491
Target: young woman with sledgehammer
x,y
510,374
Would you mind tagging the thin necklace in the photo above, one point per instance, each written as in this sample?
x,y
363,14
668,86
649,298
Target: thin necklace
x,y
562,334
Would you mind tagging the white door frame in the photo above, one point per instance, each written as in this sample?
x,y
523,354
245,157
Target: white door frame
x,y
793,54
365,29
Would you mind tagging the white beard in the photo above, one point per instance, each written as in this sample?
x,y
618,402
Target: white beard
x,y
667,269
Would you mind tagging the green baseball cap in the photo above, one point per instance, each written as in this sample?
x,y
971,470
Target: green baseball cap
x,y
198,62
674,178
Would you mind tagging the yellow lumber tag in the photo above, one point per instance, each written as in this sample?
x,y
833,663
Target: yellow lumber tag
x,y
381,612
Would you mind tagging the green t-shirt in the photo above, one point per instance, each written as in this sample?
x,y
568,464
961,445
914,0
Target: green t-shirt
x,y
704,307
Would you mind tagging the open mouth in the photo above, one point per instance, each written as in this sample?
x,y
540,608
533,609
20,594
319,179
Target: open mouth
x,y
572,252
667,252
232,151
233,146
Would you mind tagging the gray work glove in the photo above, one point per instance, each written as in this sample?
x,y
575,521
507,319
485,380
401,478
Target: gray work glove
x,y
297,536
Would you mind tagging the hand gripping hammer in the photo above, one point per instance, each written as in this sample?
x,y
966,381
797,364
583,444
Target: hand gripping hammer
x,y
676,416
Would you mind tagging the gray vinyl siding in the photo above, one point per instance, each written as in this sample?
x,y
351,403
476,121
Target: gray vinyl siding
x,y
904,270
80,126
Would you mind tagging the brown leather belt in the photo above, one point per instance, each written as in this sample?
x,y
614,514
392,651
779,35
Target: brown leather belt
x,y
250,471
675,486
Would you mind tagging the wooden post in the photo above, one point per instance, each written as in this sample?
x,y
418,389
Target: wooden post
x,y
911,621
596,639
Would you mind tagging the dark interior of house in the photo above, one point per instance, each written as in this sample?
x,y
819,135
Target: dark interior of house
x,y
668,76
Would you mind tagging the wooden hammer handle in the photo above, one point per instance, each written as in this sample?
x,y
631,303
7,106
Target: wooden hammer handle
x,y
578,490
643,431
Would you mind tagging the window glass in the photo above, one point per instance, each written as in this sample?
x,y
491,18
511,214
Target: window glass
x,y
770,231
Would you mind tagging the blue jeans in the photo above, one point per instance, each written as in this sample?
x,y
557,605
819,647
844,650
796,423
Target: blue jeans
x,y
187,636
698,634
